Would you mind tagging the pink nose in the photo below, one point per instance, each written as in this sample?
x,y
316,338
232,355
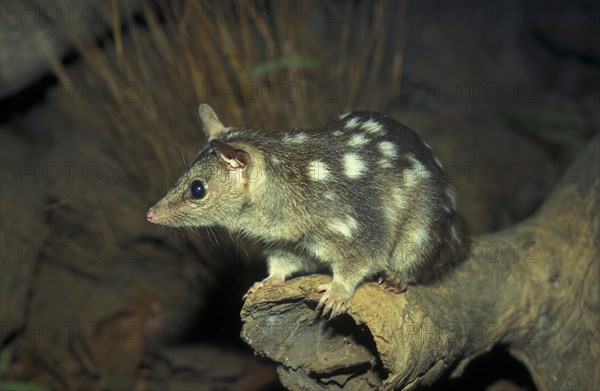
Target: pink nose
x,y
150,215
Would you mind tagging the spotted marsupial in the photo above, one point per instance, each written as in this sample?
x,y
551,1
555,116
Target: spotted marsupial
x,y
362,197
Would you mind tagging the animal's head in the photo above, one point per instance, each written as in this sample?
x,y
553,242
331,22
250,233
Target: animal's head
x,y
215,187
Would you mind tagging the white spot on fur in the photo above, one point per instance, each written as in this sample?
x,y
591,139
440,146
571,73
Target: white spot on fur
x,y
426,144
387,149
342,116
275,161
384,163
391,214
394,208
337,133
358,140
345,226
414,245
297,138
352,123
416,174
353,165
438,162
399,198
318,171
418,238
421,235
451,194
372,127
330,195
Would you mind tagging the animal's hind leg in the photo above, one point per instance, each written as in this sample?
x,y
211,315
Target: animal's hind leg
x,y
392,282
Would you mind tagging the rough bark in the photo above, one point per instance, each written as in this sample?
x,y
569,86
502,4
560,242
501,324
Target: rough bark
x,y
533,288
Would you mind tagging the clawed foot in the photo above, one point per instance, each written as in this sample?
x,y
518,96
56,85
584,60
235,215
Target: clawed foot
x,y
392,283
334,302
261,284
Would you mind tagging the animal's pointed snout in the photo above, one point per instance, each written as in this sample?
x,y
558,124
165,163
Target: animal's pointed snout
x,y
150,215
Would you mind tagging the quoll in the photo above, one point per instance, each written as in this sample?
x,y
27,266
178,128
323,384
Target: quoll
x,y
363,196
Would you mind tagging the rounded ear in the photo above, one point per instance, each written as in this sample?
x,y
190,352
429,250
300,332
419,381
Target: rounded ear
x,y
212,126
233,157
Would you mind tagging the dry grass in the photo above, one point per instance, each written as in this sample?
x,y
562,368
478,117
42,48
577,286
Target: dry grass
x,y
290,64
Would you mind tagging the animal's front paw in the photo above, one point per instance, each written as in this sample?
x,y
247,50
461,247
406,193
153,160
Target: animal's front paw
x,y
261,284
335,301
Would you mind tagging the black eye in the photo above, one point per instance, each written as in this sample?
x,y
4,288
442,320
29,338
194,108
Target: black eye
x,y
198,189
